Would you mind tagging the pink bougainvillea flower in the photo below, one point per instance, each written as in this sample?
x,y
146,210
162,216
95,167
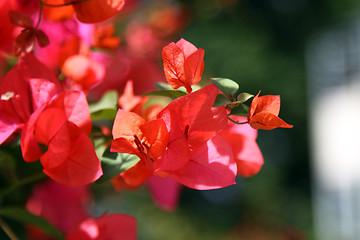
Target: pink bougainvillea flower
x,y
23,90
62,206
93,11
63,126
211,166
183,64
25,41
148,140
263,113
108,226
247,154
83,72
165,191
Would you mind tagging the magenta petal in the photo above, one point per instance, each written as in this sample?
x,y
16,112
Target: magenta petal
x,y
165,192
211,166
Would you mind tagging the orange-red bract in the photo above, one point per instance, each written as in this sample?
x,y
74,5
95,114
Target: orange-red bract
x,y
183,64
148,140
93,11
263,113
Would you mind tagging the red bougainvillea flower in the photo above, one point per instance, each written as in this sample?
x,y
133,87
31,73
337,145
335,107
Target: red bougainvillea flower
x,y
188,146
93,11
108,226
148,140
63,126
263,113
242,139
196,155
62,206
183,64
25,42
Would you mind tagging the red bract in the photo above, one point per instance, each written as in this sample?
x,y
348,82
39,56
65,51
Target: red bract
x,y
148,140
23,90
247,154
62,206
188,128
108,226
183,64
198,120
211,166
63,126
263,113
196,156
92,11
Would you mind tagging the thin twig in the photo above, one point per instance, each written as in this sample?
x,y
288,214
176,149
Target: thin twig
x,y
237,121
8,230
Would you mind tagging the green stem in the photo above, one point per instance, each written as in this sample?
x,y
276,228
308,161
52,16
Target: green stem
x,y
8,230
21,183
237,121
61,5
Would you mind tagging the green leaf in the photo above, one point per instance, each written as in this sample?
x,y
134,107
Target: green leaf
x,y
163,86
113,163
173,94
25,217
108,114
243,97
108,101
227,86
221,100
240,110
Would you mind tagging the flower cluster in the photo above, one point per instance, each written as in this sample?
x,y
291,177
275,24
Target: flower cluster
x,y
58,98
